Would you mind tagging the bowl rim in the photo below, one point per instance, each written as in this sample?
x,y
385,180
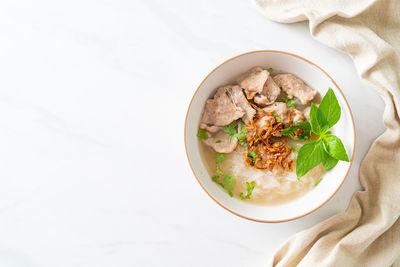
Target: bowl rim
x,y
345,100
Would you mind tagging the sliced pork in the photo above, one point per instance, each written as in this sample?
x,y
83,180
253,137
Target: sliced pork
x,y
269,93
295,87
253,81
220,142
238,98
210,128
221,110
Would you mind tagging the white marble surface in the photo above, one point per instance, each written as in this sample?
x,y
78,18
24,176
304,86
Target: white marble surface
x,y
93,96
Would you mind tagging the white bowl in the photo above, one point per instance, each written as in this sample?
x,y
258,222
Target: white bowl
x,y
318,79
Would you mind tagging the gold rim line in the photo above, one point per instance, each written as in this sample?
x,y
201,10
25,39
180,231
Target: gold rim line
x,y
345,100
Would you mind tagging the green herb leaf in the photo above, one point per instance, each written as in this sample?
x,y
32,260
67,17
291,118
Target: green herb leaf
x,y
289,102
294,149
242,135
242,139
310,155
270,69
253,155
278,118
218,170
305,131
329,162
250,187
230,129
319,125
202,134
215,179
334,147
229,183
330,108
218,141
220,158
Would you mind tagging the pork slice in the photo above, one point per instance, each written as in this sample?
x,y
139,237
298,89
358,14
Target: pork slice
x,y
253,81
220,110
223,146
287,115
269,94
237,96
210,128
295,87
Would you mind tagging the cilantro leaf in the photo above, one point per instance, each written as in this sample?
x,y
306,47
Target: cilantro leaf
x,y
329,162
242,138
230,129
289,102
334,147
229,183
202,134
298,131
330,108
253,155
220,158
250,187
319,125
218,141
242,135
215,179
310,155
218,170
270,69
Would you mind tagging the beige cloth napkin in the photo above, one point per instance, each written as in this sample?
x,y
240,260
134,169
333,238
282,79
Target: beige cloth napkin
x,y
368,233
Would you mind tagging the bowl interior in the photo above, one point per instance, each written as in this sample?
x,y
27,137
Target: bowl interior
x,y
317,79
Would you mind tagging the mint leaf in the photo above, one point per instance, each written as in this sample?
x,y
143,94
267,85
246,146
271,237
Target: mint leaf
x,y
319,125
298,131
329,162
330,108
250,187
220,158
230,129
229,183
310,155
202,134
334,147
253,156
